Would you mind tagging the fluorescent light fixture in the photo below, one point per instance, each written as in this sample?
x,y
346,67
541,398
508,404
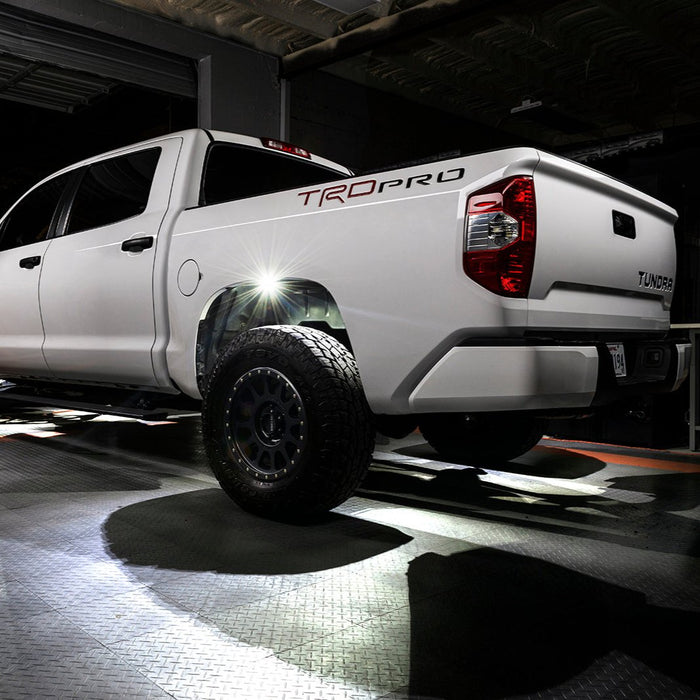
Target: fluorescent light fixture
x,y
348,7
526,104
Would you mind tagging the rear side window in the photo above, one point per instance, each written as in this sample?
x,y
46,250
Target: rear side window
x,y
234,172
30,221
113,190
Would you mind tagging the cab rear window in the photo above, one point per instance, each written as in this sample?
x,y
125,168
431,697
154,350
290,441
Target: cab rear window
x,y
234,172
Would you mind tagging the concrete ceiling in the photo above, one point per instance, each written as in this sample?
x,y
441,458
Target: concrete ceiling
x,y
559,73
562,73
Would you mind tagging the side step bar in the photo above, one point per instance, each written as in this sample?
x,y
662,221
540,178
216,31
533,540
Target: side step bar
x,y
142,409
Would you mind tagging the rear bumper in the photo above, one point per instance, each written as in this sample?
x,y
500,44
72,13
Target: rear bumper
x,y
653,367
545,377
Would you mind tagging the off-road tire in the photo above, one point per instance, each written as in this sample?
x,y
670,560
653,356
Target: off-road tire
x,y
285,422
481,438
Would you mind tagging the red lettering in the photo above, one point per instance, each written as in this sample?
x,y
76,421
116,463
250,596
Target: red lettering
x,y
369,184
333,193
308,193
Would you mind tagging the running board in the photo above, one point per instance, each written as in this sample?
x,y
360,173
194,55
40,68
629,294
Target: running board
x,y
143,413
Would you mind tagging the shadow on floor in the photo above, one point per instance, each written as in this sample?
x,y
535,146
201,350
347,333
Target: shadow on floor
x,y
205,531
540,461
178,441
672,490
656,523
491,624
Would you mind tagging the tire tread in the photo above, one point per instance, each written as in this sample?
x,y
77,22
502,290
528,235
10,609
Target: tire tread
x,y
345,422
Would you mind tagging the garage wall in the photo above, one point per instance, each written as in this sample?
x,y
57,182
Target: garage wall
x,y
367,129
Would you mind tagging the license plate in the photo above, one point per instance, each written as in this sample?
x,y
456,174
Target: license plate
x,y
617,352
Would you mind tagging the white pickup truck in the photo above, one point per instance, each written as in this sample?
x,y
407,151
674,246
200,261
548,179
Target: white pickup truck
x,y
301,308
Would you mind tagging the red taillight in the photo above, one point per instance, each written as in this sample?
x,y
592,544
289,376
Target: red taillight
x,y
285,147
499,243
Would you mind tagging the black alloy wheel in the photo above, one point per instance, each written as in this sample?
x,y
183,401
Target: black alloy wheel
x,y
265,423
286,425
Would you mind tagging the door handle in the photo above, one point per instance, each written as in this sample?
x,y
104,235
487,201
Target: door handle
x,y
29,263
137,245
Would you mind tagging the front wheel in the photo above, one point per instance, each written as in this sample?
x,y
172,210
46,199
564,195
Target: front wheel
x,y
287,429
482,437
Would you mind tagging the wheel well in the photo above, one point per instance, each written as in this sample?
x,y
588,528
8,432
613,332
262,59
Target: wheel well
x,y
250,305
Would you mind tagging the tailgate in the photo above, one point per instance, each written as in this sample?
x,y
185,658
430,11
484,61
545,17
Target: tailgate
x,y
605,256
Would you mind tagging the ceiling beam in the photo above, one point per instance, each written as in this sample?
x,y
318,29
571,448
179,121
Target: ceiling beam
x,y
236,20
320,23
22,72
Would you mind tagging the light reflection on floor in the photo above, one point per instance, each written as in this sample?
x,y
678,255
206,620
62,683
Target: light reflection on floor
x,y
126,572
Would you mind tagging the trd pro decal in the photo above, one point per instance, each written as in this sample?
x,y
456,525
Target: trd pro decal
x,y
364,188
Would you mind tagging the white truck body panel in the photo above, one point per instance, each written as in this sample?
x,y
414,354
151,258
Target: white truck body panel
x,y
21,330
388,248
585,276
378,257
508,378
107,310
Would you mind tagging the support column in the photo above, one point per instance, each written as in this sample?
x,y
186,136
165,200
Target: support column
x,y
241,93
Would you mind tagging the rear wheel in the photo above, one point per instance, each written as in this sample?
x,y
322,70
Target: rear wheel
x,y
481,438
286,425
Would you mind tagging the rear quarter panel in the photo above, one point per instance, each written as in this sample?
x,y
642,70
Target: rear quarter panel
x,y
391,256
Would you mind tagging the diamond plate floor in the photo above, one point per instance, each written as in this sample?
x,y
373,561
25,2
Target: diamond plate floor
x,y
572,572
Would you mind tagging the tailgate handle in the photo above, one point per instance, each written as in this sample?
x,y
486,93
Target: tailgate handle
x,y
623,225
137,245
29,263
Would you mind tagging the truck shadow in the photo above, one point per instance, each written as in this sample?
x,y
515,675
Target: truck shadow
x,y
540,461
203,531
492,624
176,441
602,513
